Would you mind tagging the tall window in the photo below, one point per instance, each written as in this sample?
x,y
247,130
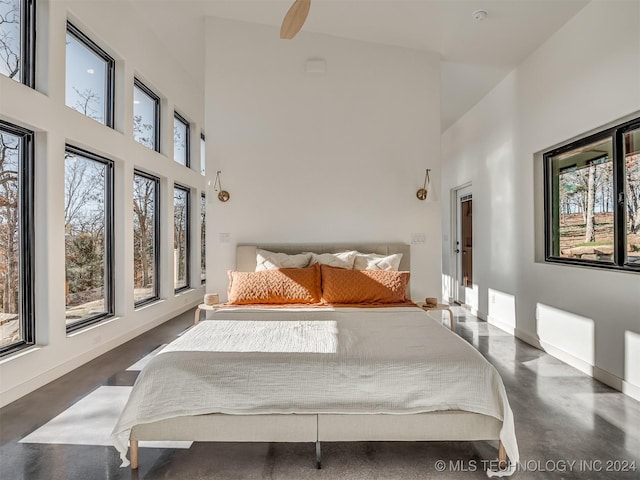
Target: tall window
x,y
181,237
180,139
89,77
146,116
17,40
16,238
631,152
593,200
88,237
203,238
203,156
146,238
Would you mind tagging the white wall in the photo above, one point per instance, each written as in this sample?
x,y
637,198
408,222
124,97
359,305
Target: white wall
x,y
585,76
335,157
117,27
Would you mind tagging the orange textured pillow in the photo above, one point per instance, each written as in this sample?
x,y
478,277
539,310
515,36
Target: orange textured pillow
x,y
340,285
284,285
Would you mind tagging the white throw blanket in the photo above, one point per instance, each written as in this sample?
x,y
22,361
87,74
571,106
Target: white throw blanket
x,y
347,361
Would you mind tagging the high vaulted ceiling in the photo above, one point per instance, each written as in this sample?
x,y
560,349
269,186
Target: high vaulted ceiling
x,y
475,55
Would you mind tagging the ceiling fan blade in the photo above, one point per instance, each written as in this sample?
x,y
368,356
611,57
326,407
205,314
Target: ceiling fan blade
x,y
294,19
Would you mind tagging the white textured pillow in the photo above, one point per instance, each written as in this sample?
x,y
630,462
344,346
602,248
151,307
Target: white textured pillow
x,y
342,259
373,261
266,260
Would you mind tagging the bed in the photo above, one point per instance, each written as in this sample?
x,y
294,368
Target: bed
x,y
318,374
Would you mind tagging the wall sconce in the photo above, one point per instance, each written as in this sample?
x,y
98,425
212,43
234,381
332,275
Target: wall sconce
x,y
223,195
423,192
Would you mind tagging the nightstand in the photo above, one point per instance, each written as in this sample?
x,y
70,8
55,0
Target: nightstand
x,y
442,306
203,307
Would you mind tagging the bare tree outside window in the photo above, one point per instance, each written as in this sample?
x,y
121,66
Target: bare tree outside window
x,y
585,177
9,239
180,140
144,238
88,103
181,237
85,242
146,110
10,45
592,200
631,141
89,78
17,325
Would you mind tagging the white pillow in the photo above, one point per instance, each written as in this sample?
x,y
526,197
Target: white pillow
x,y
342,259
266,260
372,261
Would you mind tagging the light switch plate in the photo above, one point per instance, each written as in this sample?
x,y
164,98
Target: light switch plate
x,y
417,238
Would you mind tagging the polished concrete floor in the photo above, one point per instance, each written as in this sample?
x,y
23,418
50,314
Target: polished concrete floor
x,y
568,426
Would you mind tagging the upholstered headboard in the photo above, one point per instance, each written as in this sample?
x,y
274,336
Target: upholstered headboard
x,y
246,254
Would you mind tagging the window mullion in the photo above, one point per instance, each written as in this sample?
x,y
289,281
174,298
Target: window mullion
x,y
109,235
27,243
619,213
28,34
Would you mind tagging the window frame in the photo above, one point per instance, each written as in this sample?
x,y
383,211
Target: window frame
x,y
27,41
157,111
26,212
187,142
156,240
616,134
187,251
109,290
110,71
28,38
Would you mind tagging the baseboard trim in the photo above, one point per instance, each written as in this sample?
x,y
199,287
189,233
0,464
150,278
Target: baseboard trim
x,y
596,372
481,315
505,327
631,390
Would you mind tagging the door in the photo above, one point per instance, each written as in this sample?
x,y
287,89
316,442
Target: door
x,y
466,247
463,247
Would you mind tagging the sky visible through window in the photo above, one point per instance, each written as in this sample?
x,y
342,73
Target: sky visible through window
x,y
144,118
10,49
179,141
86,81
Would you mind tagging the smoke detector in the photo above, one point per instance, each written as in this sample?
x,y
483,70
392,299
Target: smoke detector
x,y
480,15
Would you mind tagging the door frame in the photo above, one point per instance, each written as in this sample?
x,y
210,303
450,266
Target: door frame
x,y
456,229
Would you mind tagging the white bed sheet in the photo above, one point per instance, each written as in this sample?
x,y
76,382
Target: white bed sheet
x,y
340,361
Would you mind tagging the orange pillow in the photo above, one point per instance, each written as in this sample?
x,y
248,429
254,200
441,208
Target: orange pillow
x,y
340,285
284,285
